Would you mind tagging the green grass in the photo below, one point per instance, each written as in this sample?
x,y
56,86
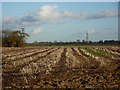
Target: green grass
x,y
99,52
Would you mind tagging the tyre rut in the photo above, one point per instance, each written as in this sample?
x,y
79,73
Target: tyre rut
x,y
21,66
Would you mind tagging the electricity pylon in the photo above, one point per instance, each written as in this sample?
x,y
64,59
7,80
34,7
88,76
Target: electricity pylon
x,y
87,39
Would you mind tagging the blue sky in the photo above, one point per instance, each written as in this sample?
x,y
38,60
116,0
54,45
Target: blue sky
x,y
65,21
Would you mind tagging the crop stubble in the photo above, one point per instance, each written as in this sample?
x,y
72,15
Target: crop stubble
x,y
59,67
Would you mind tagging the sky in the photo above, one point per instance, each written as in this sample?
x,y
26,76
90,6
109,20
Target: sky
x,y
62,21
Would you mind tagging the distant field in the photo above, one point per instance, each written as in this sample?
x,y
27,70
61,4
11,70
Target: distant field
x,y
78,46
61,67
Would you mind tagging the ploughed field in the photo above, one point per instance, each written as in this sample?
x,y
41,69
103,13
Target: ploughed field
x,y
60,67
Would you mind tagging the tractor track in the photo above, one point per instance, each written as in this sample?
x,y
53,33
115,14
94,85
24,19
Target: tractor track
x,y
25,52
60,73
60,66
15,50
26,56
10,74
21,66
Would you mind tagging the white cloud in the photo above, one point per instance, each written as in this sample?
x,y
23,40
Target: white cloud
x,y
8,22
8,18
61,22
49,14
37,31
91,31
48,11
104,14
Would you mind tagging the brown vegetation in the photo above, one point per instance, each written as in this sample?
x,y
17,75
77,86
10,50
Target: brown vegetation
x,y
13,38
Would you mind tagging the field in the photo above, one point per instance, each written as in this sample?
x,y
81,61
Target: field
x,y
61,67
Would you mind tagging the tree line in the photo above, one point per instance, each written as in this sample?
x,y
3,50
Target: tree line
x,y
16,38
74,43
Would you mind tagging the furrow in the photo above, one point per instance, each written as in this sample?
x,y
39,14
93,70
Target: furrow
x,y
10,56
9,61
16,66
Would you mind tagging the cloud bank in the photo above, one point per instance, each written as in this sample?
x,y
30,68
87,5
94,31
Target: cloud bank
x,y
37,31
104,14
48,14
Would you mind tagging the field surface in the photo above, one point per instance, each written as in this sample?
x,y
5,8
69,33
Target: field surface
x,y
61,67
